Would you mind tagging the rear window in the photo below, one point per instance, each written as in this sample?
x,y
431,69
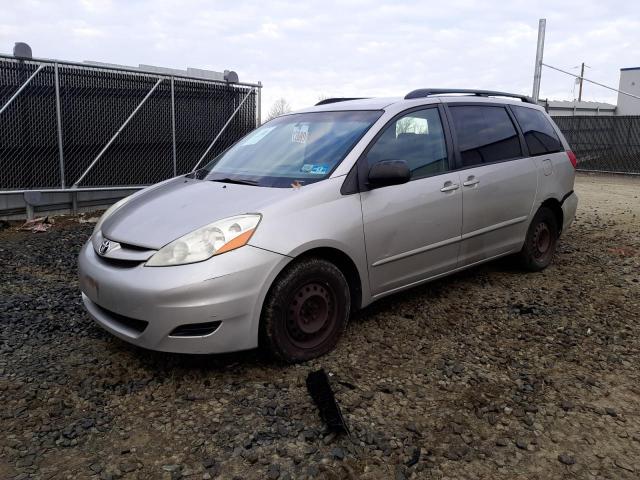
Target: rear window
x,y
485,134
538,132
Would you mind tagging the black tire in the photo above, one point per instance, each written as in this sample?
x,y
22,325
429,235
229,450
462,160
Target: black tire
x,y
542,239
306,311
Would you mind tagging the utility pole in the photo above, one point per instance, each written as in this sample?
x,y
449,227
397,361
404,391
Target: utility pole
x,y
537,74
581,78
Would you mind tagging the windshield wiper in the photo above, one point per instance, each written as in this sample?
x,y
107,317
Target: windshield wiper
x,y
235,180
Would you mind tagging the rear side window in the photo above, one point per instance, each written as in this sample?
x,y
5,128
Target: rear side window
x,y
538,132
485,134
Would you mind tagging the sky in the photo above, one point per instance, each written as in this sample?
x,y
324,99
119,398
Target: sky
x,y
304,50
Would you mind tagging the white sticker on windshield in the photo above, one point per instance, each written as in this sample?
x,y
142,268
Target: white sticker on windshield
x,y
300,133
255,137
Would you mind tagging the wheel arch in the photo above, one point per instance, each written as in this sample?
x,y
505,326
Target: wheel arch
x,y
346,265
556,207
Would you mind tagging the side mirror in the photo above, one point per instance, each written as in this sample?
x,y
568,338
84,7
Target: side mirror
x,y
388,172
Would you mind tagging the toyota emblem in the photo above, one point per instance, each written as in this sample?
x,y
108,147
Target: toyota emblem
x,y
104,247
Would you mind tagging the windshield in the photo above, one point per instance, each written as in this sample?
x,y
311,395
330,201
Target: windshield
x,y
293,150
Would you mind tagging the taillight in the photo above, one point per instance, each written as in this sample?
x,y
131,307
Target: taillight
x,y
572,158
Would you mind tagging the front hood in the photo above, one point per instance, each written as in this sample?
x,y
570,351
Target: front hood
x,y
159,215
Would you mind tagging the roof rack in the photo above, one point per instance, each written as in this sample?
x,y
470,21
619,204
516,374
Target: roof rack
x,y
326,101
427,92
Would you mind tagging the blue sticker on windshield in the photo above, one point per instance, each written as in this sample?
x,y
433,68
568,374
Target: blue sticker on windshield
x,y
315,169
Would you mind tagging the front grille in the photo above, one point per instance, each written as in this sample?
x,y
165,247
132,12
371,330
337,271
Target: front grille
x,y
195,329
128,246
123,255
118,262
128,322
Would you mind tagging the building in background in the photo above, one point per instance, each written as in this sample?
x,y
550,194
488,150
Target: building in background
x,y
630,83
570,108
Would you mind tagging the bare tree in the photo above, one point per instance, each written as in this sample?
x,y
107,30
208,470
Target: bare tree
x,y
412,125
279,107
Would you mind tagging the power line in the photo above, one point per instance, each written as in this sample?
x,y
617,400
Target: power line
x,y
592,81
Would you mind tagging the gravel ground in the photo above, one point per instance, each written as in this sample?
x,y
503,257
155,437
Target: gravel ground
x,y
491,373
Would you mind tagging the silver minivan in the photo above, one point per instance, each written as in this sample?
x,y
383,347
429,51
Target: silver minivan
x,y
321,212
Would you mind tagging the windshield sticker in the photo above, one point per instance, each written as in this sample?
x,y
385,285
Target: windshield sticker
x,y
320,169
255,137
300,133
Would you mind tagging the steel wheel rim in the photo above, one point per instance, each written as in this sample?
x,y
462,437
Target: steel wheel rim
x,y
542,240
311,314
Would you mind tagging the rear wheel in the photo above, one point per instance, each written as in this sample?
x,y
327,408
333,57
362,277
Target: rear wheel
x,y
306,311
542,239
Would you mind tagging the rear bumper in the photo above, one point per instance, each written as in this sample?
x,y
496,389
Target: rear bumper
x,y
229,289
569,206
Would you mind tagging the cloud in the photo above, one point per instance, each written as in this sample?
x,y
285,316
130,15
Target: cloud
x,y
87,32
302,50
99,7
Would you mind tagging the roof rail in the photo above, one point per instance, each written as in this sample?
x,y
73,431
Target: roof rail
x,y
326,101
427,92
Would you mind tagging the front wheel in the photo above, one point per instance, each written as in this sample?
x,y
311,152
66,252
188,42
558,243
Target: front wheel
x,y
542,239
306,311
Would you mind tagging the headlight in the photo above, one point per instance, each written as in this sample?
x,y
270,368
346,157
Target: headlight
x,y
108,213
210,240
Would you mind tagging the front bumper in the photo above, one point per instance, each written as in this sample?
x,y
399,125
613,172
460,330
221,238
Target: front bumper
x,y
229,289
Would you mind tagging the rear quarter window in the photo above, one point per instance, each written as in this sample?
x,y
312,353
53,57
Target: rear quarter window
x,y
539,134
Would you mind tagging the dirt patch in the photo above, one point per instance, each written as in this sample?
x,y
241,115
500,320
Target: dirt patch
x,y
491,373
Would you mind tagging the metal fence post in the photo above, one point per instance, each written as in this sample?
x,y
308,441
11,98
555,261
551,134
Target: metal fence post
x,y
173,126
259,105
56,78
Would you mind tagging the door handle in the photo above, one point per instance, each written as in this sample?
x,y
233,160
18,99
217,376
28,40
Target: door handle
x,y
449,188
471,182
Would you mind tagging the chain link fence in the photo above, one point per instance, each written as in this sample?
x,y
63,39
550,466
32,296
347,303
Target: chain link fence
x,y
604,144
65,124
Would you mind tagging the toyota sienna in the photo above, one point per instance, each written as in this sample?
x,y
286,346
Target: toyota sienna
x,y
321,212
